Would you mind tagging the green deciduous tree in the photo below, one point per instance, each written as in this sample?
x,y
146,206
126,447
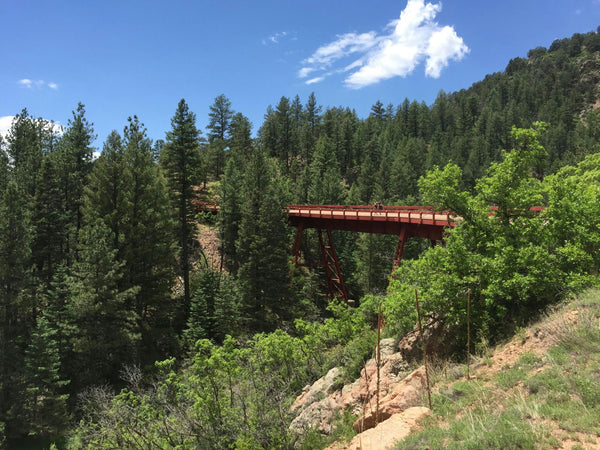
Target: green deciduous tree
x,y
512,261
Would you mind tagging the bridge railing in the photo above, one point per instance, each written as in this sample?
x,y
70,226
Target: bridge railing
x,y
407,214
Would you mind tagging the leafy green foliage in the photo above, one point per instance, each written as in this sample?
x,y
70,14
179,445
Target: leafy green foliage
x,y
509,260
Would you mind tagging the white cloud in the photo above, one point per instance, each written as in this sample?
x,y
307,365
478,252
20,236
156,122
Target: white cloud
x,y
315,80
37,84
26,82
407,42
345,45
275,38
305,71
444,45
5,123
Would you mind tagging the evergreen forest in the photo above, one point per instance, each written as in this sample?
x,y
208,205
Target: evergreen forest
x,y
117,330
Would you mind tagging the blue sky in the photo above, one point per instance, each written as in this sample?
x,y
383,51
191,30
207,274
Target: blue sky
x,y
128,57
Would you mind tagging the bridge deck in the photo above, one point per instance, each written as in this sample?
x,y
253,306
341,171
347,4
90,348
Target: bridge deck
x,y
420,221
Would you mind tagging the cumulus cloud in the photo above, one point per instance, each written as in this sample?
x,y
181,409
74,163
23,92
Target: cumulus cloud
x,y
37,84
5,123
406,43
444,45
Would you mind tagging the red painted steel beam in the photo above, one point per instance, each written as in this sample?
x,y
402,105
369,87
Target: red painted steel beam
x,y
418,221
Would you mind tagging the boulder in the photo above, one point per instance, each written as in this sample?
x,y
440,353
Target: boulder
x,y
318,414
319,389
317,403
387,433
436,334
402,396
361,394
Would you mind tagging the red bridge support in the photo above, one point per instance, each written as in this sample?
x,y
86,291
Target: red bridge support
x,y
329,261
337,288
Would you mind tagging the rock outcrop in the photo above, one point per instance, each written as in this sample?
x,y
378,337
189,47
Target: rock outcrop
x,y
436,334
387,433
399,390
403,395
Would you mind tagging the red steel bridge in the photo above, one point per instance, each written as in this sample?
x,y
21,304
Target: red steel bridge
x,y
402,221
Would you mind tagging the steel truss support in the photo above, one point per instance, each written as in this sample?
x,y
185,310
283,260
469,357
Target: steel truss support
x,y
331,264
400,247
296,251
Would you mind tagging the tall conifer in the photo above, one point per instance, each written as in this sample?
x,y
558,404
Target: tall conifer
x,y
262,246
180,158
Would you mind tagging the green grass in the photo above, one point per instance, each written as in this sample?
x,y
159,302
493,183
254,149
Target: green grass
x,y
532,404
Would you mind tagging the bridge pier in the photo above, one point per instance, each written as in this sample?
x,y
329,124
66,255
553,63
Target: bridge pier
x,y
329,261
400,247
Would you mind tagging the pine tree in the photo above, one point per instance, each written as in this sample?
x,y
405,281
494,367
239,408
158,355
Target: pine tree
x,y
240,142
325,178
147,244
4,172
50,219
230,200
75,164
45,399
219,123
180,158
28,139
310,129
16,303
105,193
102,322
279,134
373,255
128,193
231,187
262,246
25,152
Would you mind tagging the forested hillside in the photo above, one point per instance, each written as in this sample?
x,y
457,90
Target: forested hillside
x,y
104,287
